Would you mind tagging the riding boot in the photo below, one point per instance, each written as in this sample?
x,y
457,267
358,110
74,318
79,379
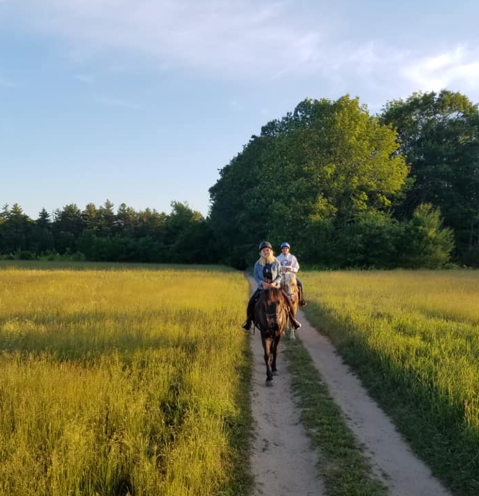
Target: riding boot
x,y
295,323
292,318
247,324
302,301
250,311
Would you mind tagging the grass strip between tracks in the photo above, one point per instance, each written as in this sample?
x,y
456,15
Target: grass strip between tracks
x,y
344,468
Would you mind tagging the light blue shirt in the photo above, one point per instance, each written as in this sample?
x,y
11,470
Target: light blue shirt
x,y
275,271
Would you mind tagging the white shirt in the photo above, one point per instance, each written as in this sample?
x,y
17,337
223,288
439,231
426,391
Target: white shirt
x,y
288,262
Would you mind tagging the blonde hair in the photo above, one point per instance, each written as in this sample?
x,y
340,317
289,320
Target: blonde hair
x,y
263,261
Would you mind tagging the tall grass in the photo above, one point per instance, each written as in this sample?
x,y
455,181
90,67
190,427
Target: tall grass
x,y
414,339
116,382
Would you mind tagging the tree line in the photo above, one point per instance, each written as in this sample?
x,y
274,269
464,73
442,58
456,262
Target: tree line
x,y
101,234
344,187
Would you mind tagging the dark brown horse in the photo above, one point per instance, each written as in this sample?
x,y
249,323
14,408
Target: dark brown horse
x,y
271,317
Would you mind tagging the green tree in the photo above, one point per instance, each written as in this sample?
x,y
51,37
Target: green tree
x,y
16,229
239,207
373,241
69,220
107,218
439,134
126,219
150,222
90,217
426,243
325,164
44,220
5,213
42,237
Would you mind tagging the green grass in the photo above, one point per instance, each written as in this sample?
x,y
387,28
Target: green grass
x,y
413,337
123,381
344,469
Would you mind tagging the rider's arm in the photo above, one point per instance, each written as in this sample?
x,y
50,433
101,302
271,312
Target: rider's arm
x,y
295,264
277,280
258,273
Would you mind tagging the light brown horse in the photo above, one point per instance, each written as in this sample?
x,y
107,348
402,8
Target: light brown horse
x,y
271,317
290,286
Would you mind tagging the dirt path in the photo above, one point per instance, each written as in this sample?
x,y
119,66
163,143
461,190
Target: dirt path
x,y
391,458
283,461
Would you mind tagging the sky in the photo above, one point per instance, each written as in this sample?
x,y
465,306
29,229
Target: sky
x,y
144,101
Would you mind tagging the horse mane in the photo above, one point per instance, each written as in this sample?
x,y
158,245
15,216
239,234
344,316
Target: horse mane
x,y
273,293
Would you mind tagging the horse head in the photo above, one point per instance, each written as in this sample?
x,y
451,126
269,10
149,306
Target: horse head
x,y
272,311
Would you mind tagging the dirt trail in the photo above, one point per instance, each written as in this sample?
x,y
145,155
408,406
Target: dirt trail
x,y
283,461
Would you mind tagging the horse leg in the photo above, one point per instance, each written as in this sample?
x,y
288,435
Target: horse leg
x,y
267,357
275,351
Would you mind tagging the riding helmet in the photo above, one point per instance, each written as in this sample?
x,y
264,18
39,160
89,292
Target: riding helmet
x,y
265,244
285,245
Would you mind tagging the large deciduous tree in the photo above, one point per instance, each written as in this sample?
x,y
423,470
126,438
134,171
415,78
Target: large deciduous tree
x,y
439,135
325,164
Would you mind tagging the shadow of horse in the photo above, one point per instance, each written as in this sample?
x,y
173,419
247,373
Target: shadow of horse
x,y
271,317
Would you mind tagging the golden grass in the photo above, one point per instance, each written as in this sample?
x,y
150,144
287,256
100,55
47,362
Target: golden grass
x,y
414,337
119,382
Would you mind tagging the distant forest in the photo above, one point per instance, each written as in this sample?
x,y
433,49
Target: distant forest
x,y
343,187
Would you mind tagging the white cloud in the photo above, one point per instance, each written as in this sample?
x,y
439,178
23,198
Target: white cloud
x,y
248,39
116,102
227,36
458,67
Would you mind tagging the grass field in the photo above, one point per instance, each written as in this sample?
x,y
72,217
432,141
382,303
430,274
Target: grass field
x,y
413,337
132,380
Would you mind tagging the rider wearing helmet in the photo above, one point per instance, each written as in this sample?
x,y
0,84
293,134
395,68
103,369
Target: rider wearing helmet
x,y
267,273
289,263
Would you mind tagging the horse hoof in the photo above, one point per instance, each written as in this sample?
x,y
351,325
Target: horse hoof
x,y
269,383
275,372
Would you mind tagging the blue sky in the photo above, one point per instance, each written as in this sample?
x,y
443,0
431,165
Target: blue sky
x,y
142,101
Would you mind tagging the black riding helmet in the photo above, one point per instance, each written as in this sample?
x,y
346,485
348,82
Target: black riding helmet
x,y
265,244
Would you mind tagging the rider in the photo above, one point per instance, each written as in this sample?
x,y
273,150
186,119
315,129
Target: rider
x,y
289,263
267,273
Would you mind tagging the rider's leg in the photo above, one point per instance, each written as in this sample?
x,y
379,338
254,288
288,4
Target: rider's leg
x,y
302,301
250,310
292,318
